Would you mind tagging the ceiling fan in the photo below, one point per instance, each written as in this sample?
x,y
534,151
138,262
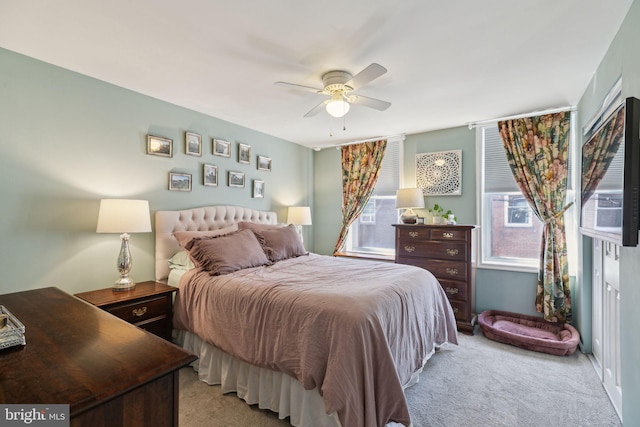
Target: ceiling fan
x,y
339,86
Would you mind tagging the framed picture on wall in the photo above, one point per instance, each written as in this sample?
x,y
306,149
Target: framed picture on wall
x,y
159,146
264,163
221,148
210,175
192,144
439,173
179,181
258,189
244,153
236,179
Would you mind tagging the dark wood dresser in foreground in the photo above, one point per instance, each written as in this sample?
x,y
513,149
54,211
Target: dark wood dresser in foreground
x,y
110,372
446,251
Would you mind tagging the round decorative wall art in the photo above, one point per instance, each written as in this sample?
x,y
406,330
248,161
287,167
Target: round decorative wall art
x,y
439,173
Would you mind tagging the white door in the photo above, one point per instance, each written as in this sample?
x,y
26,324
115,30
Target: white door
x,y
611,323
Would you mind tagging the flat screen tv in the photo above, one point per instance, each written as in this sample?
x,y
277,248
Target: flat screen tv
x,y
611,177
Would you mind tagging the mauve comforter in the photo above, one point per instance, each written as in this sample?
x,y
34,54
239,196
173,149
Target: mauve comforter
x,y
356,330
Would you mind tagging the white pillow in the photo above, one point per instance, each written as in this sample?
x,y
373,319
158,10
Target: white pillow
x,y
181,261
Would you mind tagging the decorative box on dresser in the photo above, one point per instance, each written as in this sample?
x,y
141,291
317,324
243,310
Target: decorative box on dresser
x,y
446,251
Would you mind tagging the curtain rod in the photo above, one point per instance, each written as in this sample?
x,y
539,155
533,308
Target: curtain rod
x,y
400,136
519,116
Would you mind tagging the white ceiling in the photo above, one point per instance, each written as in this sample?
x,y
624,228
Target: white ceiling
x,y
449,62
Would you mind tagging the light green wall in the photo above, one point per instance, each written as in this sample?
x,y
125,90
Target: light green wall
x,y
461,138
67,140
622,59
327,198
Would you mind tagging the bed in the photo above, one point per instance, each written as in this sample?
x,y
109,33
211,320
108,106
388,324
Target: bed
x,y
325,341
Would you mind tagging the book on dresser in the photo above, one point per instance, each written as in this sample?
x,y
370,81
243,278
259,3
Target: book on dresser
x,y
446,251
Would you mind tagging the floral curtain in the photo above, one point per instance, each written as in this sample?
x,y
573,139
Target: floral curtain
x,y
537,149
360,168
598,153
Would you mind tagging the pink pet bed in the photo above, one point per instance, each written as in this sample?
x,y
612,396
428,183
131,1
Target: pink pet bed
x,y
529,332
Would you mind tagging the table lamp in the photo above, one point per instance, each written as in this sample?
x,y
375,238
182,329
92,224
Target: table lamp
x,y
408,199
124,216
299,216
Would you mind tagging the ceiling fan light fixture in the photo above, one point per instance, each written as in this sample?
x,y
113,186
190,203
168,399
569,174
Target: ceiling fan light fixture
x,y
337,108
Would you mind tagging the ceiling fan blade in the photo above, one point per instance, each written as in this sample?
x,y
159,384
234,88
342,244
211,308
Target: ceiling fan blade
x,y
296,86
315,110
370,73
376,104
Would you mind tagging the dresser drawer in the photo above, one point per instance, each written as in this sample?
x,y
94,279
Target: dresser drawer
x,y
413,234
455,290
139,311
449,234
441,269
460,310
455,251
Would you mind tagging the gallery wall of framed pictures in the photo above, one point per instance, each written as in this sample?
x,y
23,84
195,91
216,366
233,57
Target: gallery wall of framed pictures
x,y
221,151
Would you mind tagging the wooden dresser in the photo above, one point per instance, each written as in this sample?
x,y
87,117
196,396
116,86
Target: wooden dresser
x,y
108,371
446,251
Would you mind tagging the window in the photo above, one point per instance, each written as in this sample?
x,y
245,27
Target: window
x,y
510,233
369,214
372,232
609,211
517,211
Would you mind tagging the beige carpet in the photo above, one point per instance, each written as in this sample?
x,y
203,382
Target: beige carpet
x,y
478,383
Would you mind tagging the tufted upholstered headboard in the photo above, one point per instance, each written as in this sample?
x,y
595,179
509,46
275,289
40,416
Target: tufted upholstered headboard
x,y
198,219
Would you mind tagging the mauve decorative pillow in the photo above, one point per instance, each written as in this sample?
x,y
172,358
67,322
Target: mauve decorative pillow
x,y
185,237
228,253
281,243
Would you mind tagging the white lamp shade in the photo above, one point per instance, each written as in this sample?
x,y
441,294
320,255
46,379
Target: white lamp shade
x,y
337,108
299,215
407,198
123,216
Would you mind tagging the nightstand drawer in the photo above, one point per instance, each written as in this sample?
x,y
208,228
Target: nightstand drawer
x,y
140,311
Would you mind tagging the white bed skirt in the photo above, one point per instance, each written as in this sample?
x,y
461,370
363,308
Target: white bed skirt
x,y
268,389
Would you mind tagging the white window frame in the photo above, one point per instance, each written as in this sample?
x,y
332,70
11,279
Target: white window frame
x,y
571,216
367,216
599,209
507,213
349,246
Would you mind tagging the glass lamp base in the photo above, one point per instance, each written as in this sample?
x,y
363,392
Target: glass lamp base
x,y
124,284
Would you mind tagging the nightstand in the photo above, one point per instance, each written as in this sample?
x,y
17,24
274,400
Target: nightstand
x,y
148,306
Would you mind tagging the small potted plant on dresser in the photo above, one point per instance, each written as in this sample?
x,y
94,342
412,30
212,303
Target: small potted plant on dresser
x,y
436,214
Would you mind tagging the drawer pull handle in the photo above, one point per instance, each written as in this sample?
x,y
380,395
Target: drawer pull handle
x,y
455,309
409,249
447,235
139,311
452,291
413,234
452,252
452,271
